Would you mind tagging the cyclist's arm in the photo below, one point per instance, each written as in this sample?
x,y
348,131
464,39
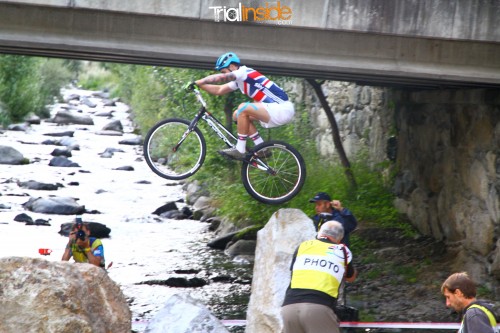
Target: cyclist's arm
x,y
209,83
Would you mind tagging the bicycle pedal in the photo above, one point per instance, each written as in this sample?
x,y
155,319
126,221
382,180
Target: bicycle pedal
x,y
232,154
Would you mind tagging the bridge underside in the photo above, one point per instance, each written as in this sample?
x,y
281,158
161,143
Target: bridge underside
x,y
368,59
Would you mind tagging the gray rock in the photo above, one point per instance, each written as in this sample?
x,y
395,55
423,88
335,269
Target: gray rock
x,y
68,117
35,185
24,127
184,314
115,125
33,120
169,206
125,168
109,103
64,141
109,133
69,142
23,217
222,241
96,229
54,205
137,141
104,113
101,94
61,161
86,101
174,215
61,152
9,155
61,134
241,247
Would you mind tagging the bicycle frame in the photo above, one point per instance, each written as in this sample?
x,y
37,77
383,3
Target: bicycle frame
x,y
220,130
213,122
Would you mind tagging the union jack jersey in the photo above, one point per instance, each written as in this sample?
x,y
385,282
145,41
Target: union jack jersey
x,y
257,86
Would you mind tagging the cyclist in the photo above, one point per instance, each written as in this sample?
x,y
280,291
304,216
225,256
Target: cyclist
x,y
270,105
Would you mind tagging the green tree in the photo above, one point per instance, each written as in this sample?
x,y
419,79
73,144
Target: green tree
x,y
19,87
28,85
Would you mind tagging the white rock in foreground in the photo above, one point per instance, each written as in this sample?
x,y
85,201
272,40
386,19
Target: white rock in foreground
x,y
276,243
184,314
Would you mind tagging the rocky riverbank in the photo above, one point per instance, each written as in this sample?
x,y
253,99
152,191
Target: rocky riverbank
x,y
88,158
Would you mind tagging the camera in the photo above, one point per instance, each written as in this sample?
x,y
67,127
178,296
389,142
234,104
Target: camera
x,y
80,234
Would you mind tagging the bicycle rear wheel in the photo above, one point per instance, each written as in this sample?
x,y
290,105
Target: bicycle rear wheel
x,y
274,172
168,155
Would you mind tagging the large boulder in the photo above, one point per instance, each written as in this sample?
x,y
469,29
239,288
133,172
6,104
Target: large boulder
x,y
37,295
68,117
54,205
96,229
184,314
276,243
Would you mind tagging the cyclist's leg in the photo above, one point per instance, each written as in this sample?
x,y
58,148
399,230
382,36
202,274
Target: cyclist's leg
x,y
246,114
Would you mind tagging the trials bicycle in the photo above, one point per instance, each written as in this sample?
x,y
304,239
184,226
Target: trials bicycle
x,y
273,172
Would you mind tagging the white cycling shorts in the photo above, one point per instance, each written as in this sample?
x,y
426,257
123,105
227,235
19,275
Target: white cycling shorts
x,y
280,114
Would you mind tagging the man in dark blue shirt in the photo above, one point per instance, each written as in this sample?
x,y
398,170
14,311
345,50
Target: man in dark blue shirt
x,y
328,210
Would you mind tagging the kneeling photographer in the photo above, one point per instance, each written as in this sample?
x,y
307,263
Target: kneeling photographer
x,y
82,247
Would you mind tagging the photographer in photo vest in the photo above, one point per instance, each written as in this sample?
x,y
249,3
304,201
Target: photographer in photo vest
x,y
318,267
82,247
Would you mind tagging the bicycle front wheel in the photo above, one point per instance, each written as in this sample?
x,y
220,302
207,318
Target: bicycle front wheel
x,y
172,151
274,172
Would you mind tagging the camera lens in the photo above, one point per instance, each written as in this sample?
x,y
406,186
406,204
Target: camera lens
x,y
81,235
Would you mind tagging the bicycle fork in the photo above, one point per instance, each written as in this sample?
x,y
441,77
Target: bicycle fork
x,y
184,136
191,127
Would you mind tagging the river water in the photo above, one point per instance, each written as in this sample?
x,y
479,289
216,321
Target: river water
x,y
142,246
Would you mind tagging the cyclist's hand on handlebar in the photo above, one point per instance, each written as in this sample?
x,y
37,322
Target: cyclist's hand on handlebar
x,y
190,86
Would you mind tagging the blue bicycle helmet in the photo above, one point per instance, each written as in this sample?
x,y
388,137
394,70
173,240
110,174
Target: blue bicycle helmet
x,y
225,60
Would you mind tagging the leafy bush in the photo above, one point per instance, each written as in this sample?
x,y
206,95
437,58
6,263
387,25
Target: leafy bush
x,y
53,75
94,76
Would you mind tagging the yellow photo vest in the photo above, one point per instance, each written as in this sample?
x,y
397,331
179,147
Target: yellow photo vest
x,y
319,266
79,254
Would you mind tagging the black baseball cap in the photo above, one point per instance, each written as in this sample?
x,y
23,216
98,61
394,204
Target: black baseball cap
x,y
321,196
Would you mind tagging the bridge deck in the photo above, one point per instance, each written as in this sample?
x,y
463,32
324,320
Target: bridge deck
x,y
365,57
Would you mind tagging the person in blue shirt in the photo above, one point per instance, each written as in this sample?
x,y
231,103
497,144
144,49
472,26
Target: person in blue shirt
x,y
328,210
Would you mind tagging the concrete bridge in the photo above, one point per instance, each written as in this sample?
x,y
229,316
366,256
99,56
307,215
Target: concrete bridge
x,y
412,43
